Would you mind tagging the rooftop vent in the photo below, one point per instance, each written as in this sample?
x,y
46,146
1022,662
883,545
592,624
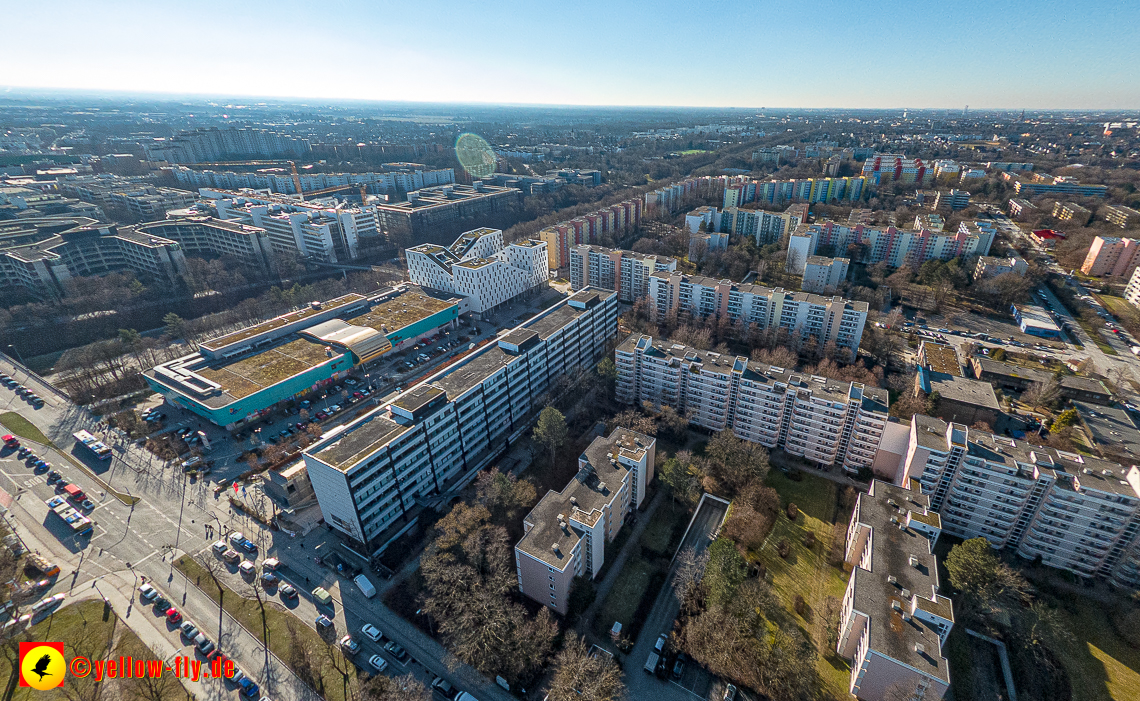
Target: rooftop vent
x,y
554,547
896,605
891,579
602,487
574,501
913,561
561,518
920,648
906,617
906,594
1087,471
892,502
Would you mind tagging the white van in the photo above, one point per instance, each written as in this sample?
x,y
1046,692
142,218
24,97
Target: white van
x,y
651,663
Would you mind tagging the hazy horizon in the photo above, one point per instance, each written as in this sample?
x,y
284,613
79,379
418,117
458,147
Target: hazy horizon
x,y
1042,55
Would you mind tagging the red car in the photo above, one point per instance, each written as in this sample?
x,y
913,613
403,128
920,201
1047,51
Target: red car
x,y
11,441
321,416
358,395
172,615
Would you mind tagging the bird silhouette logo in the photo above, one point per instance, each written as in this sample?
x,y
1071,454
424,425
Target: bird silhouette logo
x,y
42,665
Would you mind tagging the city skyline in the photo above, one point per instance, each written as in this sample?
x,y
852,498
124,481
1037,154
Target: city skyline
x,y
1046,56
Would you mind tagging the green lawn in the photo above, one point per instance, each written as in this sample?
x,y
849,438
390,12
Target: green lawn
x,y
624,598
23,428
1101,665
663,534
84,630
806,570
248,613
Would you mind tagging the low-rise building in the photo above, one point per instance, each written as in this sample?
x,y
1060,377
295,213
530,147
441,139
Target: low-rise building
x,y
958,398
1111,255
1121,216
990,266
826,319
952,200
1032,189
824,275
1035,321
239,377
290,485
930,222
1013,378
826,421
1073,512
566,533
1071,211
894,621
480,268
1046,238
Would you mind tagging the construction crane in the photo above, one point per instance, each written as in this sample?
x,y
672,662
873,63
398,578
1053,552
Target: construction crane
x,y
292,168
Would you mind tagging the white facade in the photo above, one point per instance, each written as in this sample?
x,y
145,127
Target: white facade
x,y
827,319
437,435
824,275
826,421
1075,512
625,272
480,268
801,246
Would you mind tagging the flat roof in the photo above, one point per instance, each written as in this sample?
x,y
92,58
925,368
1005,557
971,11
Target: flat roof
x,y
962,389
359,439
280,321
941,358
904,555
584,497
1111,426
253,373
400,311
1032,315
762,291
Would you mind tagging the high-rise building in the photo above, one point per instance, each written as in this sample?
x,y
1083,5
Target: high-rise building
x,y
823,190
566,533
1110,255
436,214
897,247
894,621
763,227
215,237
625,272
883,168
436,436
1027,189
1071,211
1075,512
702,244
480,268
213,144
826,319
824,275
826,421
396,180
1121,216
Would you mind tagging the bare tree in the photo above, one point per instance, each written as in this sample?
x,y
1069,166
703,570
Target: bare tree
x,y
690,569
1042,394
405,688
581,676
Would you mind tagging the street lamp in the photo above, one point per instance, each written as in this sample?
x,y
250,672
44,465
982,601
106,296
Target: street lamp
x,y
20,357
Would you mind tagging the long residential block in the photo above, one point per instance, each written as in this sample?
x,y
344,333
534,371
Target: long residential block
x,y
827,319
826,421
1074,512
625,272
435,436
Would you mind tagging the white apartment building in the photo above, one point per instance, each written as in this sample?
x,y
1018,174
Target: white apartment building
x,y
311,230
1075,512
897,247
1132,291
566,533
824,275
283,183
894,621
437,435
625,272
827,319
989,266
203,234
479,267
826,421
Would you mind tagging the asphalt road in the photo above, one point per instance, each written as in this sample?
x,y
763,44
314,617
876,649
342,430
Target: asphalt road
x,y
660,620
131,542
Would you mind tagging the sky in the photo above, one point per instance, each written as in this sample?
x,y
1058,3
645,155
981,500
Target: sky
x,y
1028,54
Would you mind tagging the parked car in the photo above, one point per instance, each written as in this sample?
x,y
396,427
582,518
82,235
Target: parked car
x,y
378,662
248,545
322,596
349,644
247,568
372,632
188,630
396,651
730,693
173,615
147,592
444,688
219,547
324,621
287,590
231,556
